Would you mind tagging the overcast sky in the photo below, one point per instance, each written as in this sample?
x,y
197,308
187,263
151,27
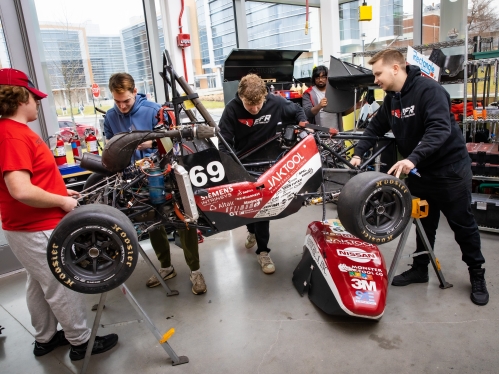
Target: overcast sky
x,y
110,15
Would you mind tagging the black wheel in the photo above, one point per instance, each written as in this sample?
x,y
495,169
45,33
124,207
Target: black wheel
x,y
93,249
93,179
375,207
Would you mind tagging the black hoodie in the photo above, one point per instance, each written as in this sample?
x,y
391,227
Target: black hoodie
x,y
420,119
244,131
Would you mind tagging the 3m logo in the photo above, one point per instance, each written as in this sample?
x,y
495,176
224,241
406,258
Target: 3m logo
x,y
356,254
363,284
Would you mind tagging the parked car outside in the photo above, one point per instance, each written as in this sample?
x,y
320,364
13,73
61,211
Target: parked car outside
x,y
67,129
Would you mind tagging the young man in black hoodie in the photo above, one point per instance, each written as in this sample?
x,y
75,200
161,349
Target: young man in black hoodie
x,y
248,120
417,110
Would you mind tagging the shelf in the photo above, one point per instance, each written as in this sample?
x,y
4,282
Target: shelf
x,y
485,178
420,48
489,229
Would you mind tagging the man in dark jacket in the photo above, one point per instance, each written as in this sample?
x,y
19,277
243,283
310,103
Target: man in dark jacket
x,y
248,120
417,110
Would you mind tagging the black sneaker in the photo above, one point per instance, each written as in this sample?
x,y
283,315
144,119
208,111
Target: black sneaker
x,y
416,274
101,344
479,294
58,340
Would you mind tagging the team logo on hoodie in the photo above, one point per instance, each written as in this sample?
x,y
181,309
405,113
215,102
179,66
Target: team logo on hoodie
x,y
247,122
404,113
250,122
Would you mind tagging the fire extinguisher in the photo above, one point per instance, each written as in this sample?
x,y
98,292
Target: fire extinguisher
x,y
91,140
60,152
76,147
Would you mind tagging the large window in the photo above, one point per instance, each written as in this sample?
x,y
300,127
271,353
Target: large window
x,y
85,43
392,25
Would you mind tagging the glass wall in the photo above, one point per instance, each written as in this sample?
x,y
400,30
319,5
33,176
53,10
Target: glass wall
x,y
84,45
392,25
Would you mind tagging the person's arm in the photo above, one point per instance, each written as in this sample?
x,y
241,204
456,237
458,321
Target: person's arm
x,y
435,109
227,130
292,111
108,132
308,106
154,121
20,188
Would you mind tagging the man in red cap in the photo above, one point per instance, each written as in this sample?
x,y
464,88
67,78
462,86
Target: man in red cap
x,y
33,199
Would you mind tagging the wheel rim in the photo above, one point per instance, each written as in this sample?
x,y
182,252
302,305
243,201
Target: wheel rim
x,y
383,211
93,254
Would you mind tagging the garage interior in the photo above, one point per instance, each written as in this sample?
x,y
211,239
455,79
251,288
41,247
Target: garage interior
x,y
250,322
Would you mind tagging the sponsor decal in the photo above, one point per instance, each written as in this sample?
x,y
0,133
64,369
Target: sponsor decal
x,y
364,298
357,274
227,191
217,195
363,284
356,254
243,192
353,242
344,268
248,196
314,251
282,174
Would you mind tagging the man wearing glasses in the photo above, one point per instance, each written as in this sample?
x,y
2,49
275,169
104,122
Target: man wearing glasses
x,y
132,111
314,99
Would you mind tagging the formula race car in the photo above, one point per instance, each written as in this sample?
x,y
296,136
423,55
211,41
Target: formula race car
x,y
189,184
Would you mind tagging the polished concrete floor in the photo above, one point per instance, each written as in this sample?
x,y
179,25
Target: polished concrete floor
x,y
249,322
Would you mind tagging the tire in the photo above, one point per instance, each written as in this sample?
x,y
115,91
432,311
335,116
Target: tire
x,y
375,207
93,179
93,249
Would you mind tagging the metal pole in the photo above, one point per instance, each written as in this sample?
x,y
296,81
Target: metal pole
x,y
91,341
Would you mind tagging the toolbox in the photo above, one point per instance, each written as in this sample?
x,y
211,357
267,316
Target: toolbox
x,y
485,208
483,152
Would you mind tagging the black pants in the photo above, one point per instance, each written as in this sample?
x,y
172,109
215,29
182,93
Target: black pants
x,y
448,190
262,233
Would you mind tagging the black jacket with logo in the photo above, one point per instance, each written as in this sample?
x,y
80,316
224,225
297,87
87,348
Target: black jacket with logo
x,y
244,131
420,119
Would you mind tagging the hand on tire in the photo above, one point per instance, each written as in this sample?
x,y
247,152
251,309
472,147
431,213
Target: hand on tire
x,y
403,166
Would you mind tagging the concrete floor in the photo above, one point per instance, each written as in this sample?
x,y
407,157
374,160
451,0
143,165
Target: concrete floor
x,y
249,322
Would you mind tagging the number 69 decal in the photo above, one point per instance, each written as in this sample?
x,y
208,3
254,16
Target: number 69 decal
x,y
214,169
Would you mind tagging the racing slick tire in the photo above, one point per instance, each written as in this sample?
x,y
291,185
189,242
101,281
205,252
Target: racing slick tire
x,y
375,207
93,249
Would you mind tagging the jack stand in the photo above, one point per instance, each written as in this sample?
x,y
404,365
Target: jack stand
x,y
156,273
176,360
417,213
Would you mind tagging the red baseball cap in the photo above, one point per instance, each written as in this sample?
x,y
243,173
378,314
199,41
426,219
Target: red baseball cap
x,y
14,77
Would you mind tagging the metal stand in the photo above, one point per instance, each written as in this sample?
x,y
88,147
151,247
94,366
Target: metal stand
x,y
176,360
429,251
156,273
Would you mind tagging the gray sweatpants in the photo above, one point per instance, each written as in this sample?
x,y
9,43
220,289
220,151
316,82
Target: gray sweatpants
x,y
48,300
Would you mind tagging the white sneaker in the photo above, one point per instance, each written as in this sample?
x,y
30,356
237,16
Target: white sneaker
x,y
250,241
198,284
266,262
165,273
